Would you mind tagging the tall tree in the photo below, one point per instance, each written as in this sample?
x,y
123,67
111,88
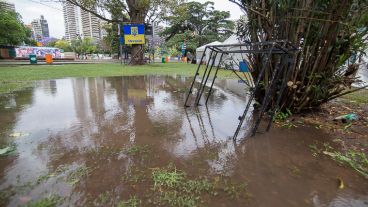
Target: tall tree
x,y
133,11
12,30
327,32
197,24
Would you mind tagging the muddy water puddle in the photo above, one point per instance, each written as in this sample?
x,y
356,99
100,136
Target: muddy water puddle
x,y
128,141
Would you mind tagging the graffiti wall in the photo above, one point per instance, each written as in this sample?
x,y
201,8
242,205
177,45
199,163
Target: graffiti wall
x,y
39,51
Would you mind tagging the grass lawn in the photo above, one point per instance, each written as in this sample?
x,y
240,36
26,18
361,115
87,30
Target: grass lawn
x,y
14,78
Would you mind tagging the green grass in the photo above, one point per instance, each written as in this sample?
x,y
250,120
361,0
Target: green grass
x,y
14,78
359,97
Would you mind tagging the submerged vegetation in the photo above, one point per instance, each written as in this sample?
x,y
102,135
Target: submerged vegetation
x,y
51,201
356,160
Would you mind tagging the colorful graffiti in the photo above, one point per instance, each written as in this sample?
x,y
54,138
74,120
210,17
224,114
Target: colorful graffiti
x,y
38,51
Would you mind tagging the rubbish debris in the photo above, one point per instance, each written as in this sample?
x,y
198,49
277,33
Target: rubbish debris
x,y
7,150
347,117
18,134
341,183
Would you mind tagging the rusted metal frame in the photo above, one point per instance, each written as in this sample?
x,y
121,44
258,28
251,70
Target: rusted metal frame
x,y
252,94
195,76
214,78
266,100
281,92
203,84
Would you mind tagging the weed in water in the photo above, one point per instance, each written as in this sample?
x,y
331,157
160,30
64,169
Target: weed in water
x,y
132,202
356,160
134,175
75,176
104,199
173,188
137,150
166,178
282,116
50,201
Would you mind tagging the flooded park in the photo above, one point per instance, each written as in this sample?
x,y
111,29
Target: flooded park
x,y
129,141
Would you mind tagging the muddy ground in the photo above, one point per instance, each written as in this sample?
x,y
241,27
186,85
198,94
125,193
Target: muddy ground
x,y
128,141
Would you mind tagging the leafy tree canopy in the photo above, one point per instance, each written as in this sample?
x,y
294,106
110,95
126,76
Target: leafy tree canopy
x,y
197,24
64,45
12,30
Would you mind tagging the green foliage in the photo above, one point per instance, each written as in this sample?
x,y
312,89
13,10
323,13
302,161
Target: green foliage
x,y
328,33
356,160
64,45
197,24
83,46
282,116
12,31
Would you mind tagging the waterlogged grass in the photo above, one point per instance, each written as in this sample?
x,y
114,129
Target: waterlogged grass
x,y
356,160
75,176
172,187
18,77
132,202
50,201
137,150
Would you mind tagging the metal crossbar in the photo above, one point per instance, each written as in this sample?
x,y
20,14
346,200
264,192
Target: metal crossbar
x,y
279,50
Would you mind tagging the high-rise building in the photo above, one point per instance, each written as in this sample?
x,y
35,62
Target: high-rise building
x,y
7,5
44,27
40,28
71,20
80,23
90,25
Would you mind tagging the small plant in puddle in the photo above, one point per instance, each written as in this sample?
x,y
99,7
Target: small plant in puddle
x,y
50,201
132,202
75,175
137,150
104,199
235,191
282,116
134,175
166,178
173,188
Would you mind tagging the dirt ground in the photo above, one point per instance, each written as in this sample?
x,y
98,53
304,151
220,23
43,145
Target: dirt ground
x,y
350,135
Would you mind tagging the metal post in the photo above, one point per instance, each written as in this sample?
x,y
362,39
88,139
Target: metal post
x,y
201,89
281,91
214,78
266,99
195,76
260,76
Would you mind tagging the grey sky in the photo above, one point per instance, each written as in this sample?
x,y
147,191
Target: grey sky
x,y
32,9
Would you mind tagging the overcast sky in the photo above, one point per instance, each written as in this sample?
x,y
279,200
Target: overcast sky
x,y
32,9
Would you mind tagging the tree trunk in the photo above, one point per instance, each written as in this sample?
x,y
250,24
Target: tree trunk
x,y
137,13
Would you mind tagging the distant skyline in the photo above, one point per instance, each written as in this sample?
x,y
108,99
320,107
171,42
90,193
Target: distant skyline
x,y
52,11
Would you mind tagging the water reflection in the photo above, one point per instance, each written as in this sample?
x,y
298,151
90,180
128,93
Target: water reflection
x,y
84,122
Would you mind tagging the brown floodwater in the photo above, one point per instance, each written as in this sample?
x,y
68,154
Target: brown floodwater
x,y
97,141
